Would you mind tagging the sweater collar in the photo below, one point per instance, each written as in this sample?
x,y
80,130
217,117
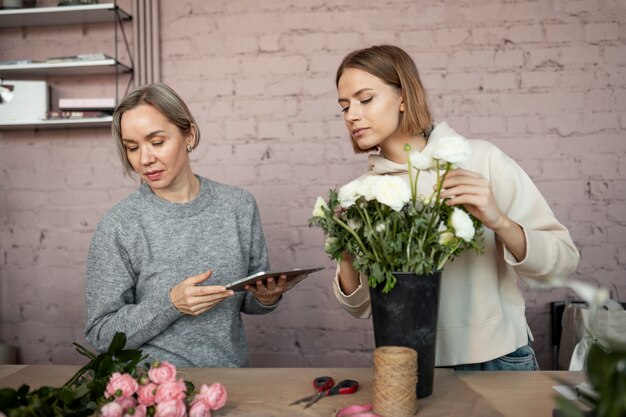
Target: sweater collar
x,y
186,209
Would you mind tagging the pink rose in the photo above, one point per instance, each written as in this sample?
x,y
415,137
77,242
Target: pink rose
x,y
126,402
172,408
213,396
165,372
112,409
138,411
170,391
147,394
199,409
121,385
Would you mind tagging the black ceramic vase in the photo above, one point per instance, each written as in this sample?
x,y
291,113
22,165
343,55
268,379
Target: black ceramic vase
x,y
407,316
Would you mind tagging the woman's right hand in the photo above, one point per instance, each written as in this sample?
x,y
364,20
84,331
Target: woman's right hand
x,y
193,300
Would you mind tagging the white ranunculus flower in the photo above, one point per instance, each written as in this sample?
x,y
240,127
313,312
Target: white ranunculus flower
x,y
349,193
422,161
317,209
454,149
392,191
462,224
446,236
367,186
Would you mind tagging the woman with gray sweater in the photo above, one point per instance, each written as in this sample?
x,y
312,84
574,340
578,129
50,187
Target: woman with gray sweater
x,y
160,258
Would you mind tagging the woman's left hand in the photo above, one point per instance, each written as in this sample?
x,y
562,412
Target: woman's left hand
x,y
473,191
268,293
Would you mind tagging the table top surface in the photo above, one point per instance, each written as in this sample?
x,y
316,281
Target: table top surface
x,y
269,391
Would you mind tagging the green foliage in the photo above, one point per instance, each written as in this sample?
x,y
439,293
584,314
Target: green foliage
x,y
383,241
606,372
82,394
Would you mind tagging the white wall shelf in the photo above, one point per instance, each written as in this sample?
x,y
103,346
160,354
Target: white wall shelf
x,y
67,15
61,15
42,69
58,123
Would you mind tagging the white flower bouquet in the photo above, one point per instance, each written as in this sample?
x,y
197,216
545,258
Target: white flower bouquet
x,y
387,226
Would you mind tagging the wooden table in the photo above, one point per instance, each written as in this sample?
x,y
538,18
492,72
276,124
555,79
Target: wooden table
x,y
268,391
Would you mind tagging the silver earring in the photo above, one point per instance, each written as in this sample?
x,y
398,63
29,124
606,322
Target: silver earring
x,y
189,148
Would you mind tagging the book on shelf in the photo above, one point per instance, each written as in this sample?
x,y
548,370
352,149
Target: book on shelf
x,y
53,115
84,104
79,58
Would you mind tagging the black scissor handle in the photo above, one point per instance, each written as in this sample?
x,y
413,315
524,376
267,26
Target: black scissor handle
x,y
323,383
347,386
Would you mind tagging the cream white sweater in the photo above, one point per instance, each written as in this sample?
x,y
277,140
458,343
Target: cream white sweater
x,y
481,309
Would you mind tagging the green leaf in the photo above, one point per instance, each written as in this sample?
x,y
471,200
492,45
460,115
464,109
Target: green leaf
x,y
190,387
8,399
118,343
67,396
81,390
568,408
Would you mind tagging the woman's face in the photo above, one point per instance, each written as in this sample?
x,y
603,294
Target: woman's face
x,y
156,149
371,108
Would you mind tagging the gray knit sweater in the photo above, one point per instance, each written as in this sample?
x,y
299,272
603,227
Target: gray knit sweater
x,y
144,246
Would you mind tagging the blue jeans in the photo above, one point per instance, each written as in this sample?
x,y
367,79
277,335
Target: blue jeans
x,y
523,359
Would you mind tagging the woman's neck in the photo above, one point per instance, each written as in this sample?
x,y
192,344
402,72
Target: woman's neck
x,y
393,147
182,191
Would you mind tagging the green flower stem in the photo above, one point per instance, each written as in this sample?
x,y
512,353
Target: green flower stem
x,y
410,171
77,375
440,180
363,214
381,218
358,240
443,260
414,187
408,246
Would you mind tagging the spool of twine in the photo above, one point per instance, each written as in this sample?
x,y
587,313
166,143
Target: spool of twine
x,y
395,377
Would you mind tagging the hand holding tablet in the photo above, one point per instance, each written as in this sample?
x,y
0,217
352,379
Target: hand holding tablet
x,y
294,276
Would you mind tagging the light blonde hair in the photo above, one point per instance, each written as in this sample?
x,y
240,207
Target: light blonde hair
x,y
396,68
164,99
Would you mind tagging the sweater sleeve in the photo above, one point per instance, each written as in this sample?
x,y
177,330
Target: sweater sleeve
x,y
550,252
259,261
357,303
110,295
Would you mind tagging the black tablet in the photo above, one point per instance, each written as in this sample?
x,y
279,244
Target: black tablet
x,y
263,275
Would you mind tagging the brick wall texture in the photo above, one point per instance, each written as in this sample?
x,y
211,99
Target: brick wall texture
x,y
545,80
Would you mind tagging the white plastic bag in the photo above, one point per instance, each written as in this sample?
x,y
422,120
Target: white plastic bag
x,y
607,326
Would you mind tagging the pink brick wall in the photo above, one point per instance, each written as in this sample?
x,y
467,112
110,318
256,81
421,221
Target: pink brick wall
x,y
544,80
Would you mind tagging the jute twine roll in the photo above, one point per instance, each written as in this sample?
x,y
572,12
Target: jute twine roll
x,y
395,377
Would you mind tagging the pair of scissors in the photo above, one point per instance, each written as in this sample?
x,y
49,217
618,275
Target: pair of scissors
x,y
325,386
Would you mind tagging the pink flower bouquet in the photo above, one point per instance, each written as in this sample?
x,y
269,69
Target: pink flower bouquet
x,y
159,393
